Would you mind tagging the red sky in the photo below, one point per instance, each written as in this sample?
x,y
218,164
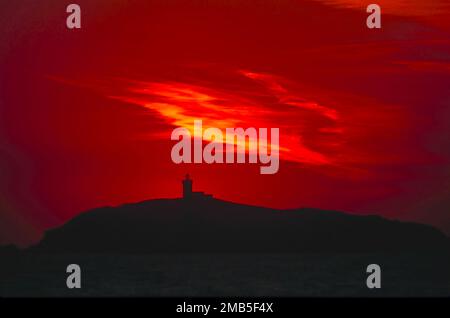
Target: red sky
x,y
86,115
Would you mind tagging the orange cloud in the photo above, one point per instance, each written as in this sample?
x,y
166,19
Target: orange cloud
x,y
271,105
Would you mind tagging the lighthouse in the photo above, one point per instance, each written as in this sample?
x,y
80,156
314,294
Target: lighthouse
x,y
187,187
188,194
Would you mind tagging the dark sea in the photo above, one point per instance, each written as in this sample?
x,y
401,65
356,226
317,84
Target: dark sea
x,y
184,275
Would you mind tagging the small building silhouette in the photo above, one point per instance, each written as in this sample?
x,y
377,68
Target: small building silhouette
x,y
188,194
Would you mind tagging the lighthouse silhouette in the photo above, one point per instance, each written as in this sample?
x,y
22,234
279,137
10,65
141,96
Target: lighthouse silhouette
x,y
187,187
188,194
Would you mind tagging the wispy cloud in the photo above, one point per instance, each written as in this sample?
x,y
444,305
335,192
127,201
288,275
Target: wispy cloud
x,y
398,7
269,105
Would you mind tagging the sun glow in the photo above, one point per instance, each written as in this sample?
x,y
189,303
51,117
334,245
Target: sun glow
x,y
271,105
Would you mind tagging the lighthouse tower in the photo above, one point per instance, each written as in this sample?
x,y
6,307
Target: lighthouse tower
x,y
187,187
188,194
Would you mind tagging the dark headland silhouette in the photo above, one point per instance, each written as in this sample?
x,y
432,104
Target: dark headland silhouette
x,y
197,222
